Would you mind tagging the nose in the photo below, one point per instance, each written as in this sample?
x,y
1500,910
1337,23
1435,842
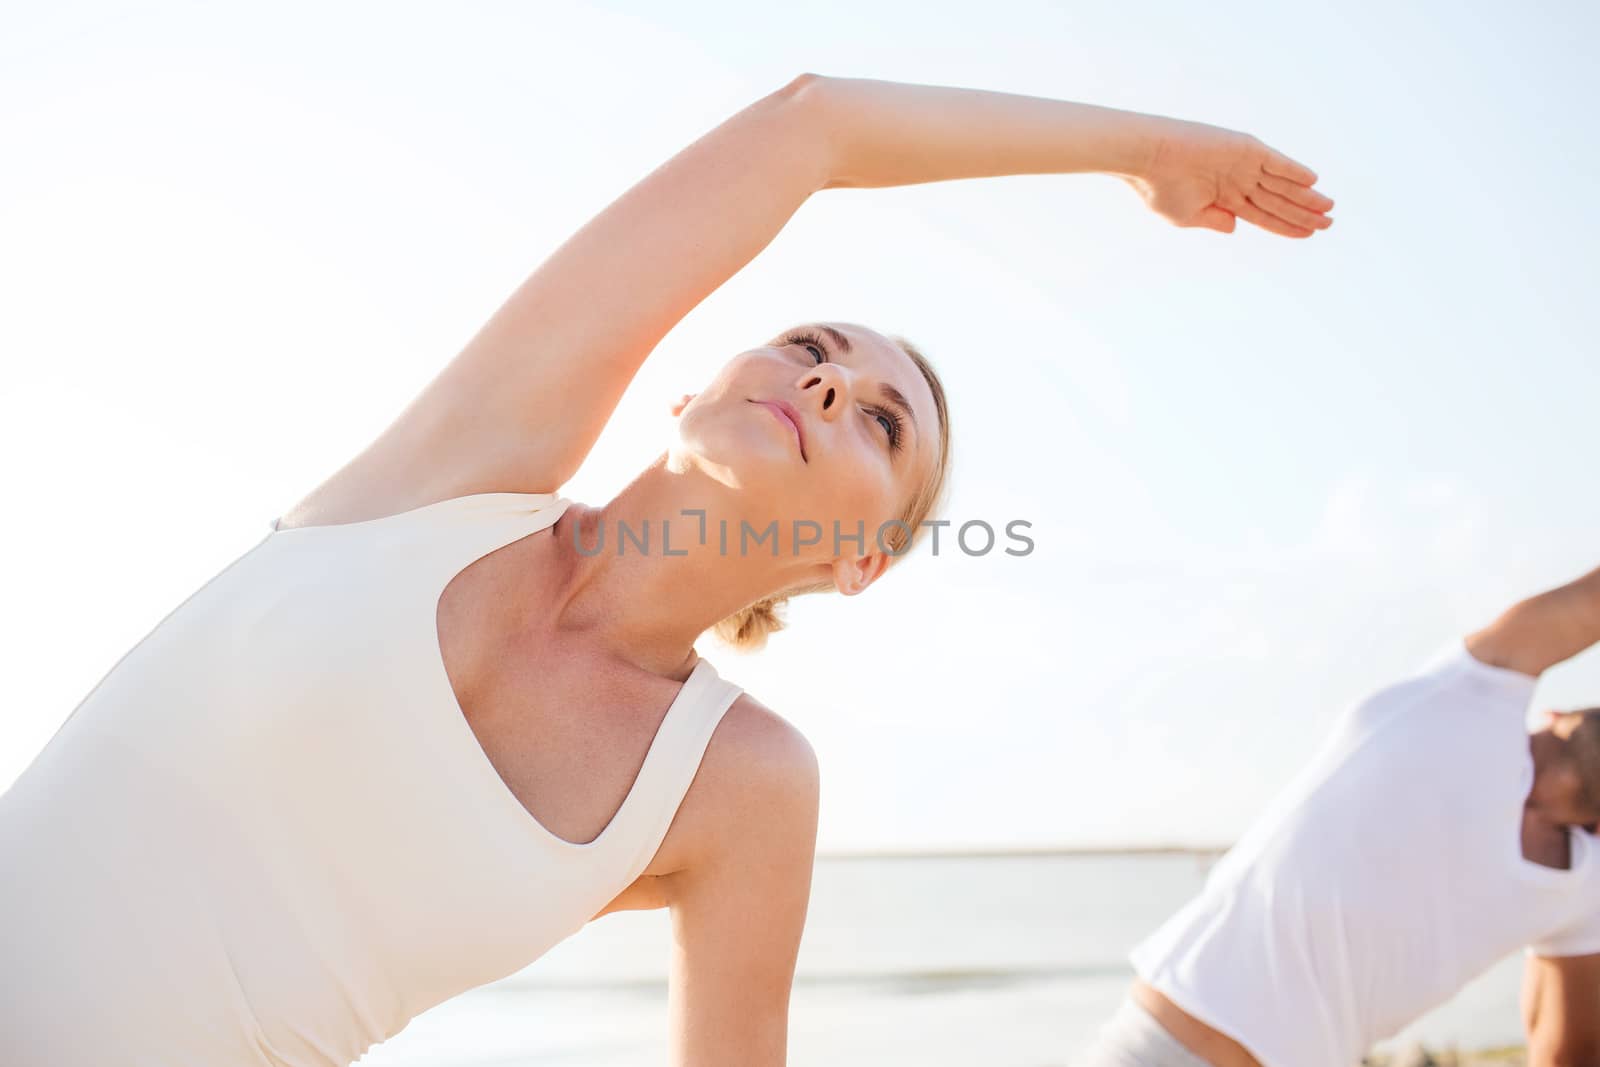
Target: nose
x,y
825,389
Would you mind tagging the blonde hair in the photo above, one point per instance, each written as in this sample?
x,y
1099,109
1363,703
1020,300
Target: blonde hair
x,y
748,628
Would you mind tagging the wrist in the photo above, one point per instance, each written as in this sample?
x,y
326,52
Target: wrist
x,y
1136,149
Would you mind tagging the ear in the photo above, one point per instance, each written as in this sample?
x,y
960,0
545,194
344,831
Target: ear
x,y
678,406
851,575
1563,723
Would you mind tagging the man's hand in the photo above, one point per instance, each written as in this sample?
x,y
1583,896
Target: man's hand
x,y
1201,175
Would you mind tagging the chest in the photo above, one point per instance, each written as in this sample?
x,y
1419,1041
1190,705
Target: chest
x,y
565,726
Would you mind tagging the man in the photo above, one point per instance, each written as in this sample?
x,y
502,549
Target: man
x,y
1432,835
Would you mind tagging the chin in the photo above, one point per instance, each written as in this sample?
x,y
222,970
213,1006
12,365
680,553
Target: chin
x,y
745,470
750,460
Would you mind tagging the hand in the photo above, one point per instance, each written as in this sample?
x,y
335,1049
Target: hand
x,y
1201,175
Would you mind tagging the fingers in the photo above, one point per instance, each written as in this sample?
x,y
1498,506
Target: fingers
x,y
1288,211
1300,194
1251,213
1284,167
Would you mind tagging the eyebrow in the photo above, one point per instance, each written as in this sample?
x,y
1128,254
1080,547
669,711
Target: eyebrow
x,y
898,399
840,341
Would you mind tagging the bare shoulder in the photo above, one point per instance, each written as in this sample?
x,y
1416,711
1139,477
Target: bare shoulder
x,y
757,790
751,812
755,748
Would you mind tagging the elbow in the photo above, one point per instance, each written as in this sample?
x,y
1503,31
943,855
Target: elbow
x,y
802,84
807,115
802,87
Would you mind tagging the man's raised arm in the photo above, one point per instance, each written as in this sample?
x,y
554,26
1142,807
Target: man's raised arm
x,y
1542,631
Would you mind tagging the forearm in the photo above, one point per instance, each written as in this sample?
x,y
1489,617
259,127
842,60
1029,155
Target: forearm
x,y
1537,633
1568,617
1558,1011
881,133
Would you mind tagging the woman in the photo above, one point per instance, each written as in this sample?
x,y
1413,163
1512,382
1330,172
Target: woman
x,y
436,721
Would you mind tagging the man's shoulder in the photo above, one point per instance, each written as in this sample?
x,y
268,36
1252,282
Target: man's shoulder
x,y
1451,682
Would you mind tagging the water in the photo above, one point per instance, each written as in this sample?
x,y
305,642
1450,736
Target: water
x,y
1010,961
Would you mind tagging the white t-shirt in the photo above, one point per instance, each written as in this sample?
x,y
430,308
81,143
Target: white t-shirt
x,y
1386,876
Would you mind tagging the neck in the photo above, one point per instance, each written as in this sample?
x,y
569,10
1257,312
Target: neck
x,y
646,574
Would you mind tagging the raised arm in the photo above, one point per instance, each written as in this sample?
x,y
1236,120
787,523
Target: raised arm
x,y
1535,634
890,133
522,404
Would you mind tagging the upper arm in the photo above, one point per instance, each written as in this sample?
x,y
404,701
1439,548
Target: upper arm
x,y
739,904
522,404
1535,634
1561,1010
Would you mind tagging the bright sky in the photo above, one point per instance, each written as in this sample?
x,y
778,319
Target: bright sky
x,y
1264,476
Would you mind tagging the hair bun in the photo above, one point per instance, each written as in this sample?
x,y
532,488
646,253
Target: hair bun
x,y
748,628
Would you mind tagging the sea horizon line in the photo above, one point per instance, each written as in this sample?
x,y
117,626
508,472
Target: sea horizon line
x,y
1018,851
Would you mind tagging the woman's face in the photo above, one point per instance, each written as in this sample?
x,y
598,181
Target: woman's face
x,y
826,422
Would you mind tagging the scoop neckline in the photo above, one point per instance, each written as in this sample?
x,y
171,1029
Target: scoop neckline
x,y
461,729
493,781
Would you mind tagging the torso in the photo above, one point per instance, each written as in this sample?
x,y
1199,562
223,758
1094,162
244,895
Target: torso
x,y
1542,843
565,725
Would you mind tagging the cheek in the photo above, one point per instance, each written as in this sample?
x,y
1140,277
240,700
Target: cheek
x,y
742,373
866,490
693,425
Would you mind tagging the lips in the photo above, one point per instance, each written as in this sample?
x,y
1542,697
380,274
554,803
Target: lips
x,y
789,415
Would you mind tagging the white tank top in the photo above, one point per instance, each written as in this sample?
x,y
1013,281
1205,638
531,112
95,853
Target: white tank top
x,y
269,835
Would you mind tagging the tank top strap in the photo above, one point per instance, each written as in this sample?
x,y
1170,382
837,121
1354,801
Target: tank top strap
x,y
484,512
638,828
441,539
464,529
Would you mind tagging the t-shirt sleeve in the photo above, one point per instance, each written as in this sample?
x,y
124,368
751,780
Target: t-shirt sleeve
x,y
1447,683
1515,684
1455,662
1579,938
